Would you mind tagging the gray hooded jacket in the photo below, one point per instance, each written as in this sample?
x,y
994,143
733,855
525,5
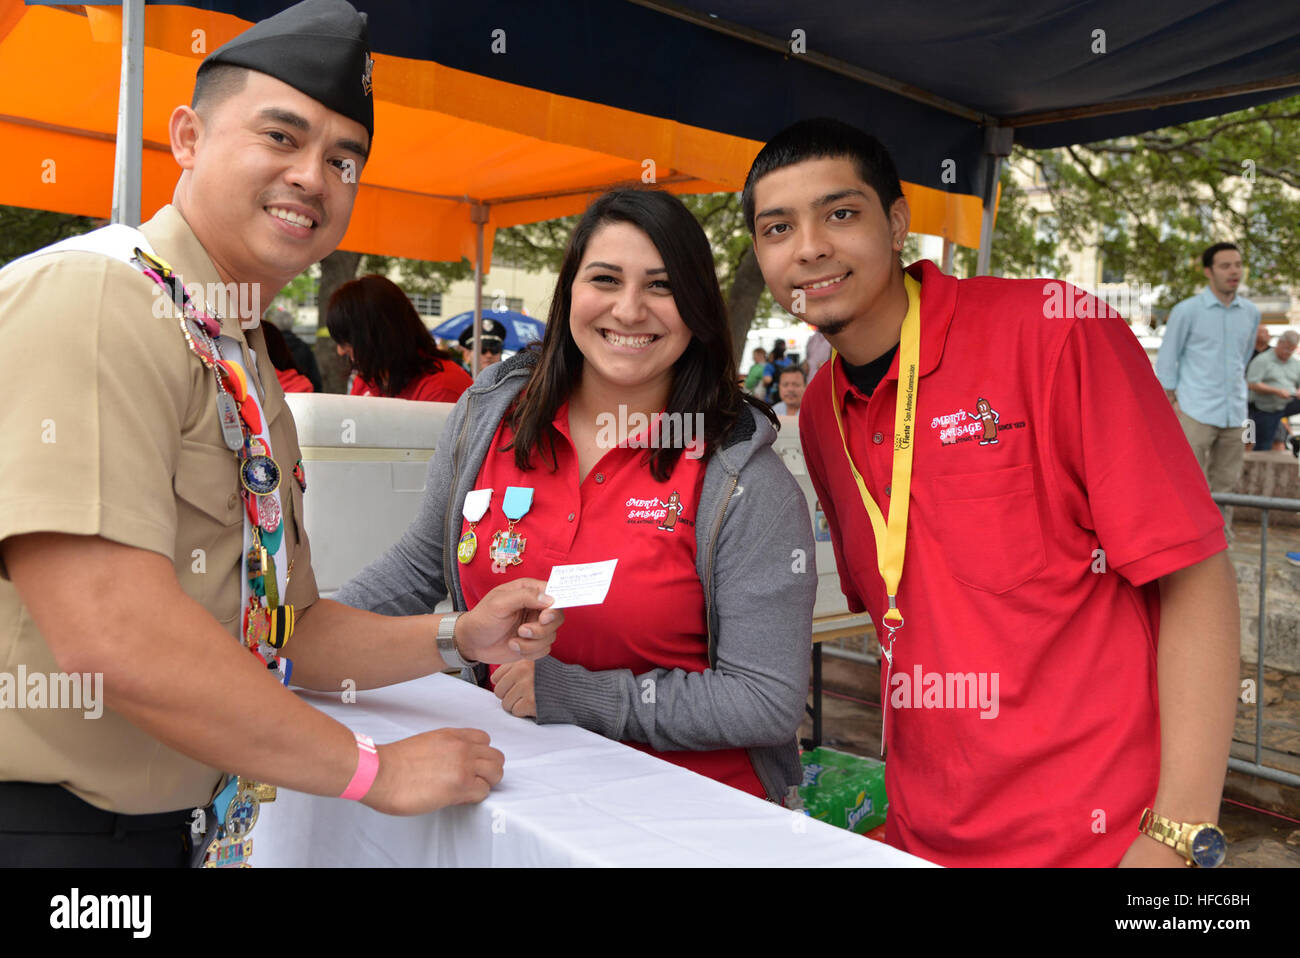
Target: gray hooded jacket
x,y
754,557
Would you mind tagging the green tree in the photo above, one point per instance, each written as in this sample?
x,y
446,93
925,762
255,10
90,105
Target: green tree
x,y
1153,202
23,230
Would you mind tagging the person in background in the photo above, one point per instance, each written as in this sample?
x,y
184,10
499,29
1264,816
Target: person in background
x,y
1273,378
376,328
791,385
775,362
1261,340
491,340
1202,366
705,607
819,352
754,379
277,350
304,360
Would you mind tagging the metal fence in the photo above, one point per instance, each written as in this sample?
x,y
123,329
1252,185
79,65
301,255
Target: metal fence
x,y
1264,504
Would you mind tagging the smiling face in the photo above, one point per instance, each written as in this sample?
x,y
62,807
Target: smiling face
x,y
270,176
824,243
623,316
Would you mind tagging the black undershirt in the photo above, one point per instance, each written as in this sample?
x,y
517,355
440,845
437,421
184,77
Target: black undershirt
x,y
867,377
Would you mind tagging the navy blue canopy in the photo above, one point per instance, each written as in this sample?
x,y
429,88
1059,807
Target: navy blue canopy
x,y
926,77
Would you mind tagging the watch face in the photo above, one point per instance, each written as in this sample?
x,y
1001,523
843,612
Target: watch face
x,y
1208,847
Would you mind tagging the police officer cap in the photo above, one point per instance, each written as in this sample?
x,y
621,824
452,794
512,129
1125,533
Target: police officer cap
x,y
319,47
493,331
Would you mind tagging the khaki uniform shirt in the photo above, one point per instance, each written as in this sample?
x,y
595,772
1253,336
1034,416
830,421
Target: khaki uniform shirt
x,y
109,428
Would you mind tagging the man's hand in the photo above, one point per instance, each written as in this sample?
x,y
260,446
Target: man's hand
x,y
452,766
513,685
1146,852
510,623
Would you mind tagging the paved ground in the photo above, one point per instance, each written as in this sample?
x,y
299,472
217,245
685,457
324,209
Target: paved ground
x,y
851,723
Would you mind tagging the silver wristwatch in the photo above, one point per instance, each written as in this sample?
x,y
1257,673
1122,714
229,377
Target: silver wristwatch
x,y
447,643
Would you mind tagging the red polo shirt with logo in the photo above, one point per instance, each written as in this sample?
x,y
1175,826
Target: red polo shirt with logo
x,y
653,616
1051,487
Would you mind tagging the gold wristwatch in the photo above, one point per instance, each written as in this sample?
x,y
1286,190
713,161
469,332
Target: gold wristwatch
x,y
1203,845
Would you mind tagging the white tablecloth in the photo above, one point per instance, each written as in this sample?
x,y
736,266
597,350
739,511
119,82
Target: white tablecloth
x,y
568,797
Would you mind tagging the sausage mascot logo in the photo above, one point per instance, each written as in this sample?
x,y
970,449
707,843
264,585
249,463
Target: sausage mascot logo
x,y
674,507
986,415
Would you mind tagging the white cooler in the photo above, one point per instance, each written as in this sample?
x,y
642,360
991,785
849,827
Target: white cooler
x,y
365,461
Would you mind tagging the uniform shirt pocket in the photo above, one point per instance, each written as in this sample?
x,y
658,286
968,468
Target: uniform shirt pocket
x,y
207,479
989,528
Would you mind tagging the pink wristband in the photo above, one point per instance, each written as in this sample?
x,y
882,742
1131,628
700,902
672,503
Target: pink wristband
x,y
367,769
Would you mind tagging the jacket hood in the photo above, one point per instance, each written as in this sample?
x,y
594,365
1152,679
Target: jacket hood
x,y
750,433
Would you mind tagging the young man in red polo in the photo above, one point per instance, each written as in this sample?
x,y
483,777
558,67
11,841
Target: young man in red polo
x,y
1021,516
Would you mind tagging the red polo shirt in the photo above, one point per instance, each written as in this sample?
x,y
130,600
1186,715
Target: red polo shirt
x,y
1051,487
445,385
653,616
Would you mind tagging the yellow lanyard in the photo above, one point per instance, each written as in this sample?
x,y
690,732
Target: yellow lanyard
x,y
891,536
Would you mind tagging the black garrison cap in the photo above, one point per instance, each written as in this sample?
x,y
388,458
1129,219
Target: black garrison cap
x,y
319,47
493,331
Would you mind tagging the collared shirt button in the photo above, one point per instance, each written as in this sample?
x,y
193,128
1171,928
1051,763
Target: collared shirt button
x,y
233,501
600,477
878,438
571,515
889,490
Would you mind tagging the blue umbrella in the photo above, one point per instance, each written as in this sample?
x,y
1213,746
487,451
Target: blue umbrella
x,y
520,329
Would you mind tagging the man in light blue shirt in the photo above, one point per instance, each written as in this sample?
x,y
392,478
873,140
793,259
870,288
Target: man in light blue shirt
x,y
1202,365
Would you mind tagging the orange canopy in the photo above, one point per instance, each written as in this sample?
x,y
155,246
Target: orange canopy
x,y
444,139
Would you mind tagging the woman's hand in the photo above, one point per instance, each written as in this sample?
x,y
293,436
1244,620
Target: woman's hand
x,y
513,685
510,623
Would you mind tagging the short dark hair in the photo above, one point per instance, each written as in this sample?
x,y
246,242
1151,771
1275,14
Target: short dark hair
x,y
391,346
1207,258
792,369
824,138
215,84
704,376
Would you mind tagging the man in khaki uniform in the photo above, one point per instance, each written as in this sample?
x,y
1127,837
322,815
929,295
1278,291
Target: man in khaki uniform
x,y
121,515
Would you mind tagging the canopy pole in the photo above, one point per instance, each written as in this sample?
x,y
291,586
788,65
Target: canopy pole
x,y
127,163
997,144
947,255
478,214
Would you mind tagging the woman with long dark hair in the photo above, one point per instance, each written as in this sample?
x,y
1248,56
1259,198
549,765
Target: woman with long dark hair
x,y
376,328
626,436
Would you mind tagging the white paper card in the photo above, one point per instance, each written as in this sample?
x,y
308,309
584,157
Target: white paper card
x,y
583,583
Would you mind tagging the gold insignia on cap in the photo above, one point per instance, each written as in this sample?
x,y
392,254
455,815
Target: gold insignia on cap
x,y
365,75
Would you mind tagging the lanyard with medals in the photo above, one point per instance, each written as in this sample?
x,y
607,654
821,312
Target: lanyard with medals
x,y
267,625
891,536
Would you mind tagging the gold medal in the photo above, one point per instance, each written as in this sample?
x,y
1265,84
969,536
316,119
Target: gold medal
x,y
467,546
476,505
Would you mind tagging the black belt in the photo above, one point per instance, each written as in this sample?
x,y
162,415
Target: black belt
x,y
33,808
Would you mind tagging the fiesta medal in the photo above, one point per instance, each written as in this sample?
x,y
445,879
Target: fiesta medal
x,y
268,514
259,475
228,852
507,545
241,814
476,504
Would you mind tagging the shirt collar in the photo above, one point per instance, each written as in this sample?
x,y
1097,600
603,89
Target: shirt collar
x,y
938,303
174,240
1208,299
